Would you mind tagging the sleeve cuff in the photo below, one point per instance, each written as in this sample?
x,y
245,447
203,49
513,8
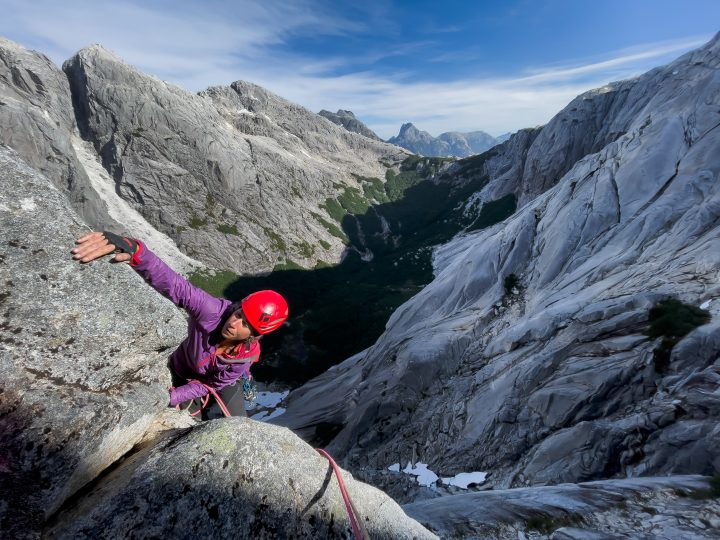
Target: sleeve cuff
x,y
135,260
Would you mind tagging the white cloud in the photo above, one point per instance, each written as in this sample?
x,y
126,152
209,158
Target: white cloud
x,y
196,46
649,51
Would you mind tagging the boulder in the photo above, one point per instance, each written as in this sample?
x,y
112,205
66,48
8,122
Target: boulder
x,y
230,478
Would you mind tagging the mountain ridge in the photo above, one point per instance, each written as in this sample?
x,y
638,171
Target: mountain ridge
x,y
448,144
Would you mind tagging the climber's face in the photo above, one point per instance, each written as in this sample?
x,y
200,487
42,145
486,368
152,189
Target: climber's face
x,y
236,327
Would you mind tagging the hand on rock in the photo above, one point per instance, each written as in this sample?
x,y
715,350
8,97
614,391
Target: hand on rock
x,y
98,244
174,398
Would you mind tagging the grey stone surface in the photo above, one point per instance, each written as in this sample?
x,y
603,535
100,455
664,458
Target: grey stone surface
x,y
628,508
556,381
231,478
348,120
82,353
37,120
236,176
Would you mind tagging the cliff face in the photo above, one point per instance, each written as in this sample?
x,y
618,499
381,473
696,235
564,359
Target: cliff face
x,y
555,379
236,176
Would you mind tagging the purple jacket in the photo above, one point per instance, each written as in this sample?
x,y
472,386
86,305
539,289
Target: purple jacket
x,y
195,358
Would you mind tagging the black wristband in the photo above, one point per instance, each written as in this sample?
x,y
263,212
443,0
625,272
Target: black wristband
x,y
128,245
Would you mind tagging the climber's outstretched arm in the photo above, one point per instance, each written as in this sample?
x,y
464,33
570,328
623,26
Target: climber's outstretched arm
x,y
203,307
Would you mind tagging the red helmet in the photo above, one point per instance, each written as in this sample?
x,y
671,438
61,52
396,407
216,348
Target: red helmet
x,y
265,310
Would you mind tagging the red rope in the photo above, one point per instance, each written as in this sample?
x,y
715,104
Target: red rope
x,y
204,404
212,391
346,497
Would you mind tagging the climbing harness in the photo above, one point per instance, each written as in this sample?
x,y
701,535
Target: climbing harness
x,y
353,514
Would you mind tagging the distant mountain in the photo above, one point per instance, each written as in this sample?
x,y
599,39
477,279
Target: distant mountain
x,y
348,120
467,144
451,143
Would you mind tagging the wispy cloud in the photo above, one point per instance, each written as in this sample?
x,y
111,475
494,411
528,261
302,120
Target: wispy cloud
x,y
623,59
196,46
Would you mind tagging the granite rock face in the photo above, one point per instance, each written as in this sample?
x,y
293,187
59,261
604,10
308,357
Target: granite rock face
x,y
647,508
554,380
83,352
451,143
236,176
231,478
37,120
348,120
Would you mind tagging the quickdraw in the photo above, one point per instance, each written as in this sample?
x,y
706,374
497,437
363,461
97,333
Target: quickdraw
x,y
249,393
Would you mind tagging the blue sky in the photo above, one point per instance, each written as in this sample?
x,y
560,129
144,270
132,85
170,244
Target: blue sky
x,y
445,66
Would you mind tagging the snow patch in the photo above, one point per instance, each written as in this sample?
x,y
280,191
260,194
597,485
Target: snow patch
x,y
269,399
264,416
425,477
123,213
705,304
463,480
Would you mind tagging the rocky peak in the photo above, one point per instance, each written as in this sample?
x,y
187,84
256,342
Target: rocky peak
x,y
408,129
348,121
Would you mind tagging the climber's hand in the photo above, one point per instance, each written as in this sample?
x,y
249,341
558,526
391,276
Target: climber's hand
x,y
98,244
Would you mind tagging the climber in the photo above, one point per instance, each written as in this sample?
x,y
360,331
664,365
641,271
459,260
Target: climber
x,y
223,337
